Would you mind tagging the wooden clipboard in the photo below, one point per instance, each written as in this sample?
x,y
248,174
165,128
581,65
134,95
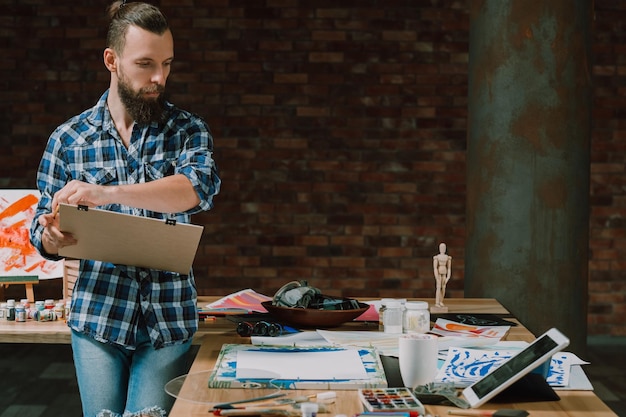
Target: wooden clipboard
x,y
124,239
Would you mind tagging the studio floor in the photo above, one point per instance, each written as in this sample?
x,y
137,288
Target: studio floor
x,y
39,380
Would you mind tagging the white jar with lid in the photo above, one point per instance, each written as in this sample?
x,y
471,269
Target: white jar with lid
x,y
416,317
392,317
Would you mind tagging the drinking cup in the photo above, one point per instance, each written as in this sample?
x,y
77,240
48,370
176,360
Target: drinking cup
x,y
417,359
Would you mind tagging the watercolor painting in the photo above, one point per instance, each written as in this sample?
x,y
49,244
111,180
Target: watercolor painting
x,y
17,256
278,372
463,366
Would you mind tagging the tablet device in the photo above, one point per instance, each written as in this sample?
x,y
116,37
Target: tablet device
x,y
526,361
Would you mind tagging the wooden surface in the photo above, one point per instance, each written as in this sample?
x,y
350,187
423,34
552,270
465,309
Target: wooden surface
x,y
58,332
212,334
572,403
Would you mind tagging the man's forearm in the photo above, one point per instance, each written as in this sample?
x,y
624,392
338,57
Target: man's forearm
x,y
171,194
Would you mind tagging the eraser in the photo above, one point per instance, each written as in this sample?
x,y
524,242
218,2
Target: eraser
x,y
326,395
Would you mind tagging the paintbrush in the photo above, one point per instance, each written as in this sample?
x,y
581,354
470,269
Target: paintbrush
x,y
505,412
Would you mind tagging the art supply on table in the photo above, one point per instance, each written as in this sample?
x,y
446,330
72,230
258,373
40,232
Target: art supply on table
x,y
392,317
416,317
505,412
309,409
231,404
381,313
321,398
10,310
297,367
249,412
390,400
20,312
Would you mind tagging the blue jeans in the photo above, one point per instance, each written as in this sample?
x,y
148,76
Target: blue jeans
x,y
121,380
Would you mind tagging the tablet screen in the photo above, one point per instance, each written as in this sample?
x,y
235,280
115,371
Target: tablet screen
x,y
514,365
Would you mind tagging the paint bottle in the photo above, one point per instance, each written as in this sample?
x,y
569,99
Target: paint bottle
x,y
11,310
309,409
393,317
47,315
381,313
20,312
49,304
3,311
59,310
39,305
32,314
416,317
68,306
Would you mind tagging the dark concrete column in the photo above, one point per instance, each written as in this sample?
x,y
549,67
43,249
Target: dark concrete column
x,y
528,161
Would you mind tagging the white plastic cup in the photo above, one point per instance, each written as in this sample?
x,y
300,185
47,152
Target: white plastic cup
x,y
417,356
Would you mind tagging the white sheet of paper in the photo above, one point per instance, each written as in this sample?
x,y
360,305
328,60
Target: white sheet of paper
x,y
324,365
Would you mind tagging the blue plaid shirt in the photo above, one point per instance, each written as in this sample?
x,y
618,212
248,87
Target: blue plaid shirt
x,y
109,301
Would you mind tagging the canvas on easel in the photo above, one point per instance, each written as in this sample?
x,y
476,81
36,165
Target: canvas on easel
x,y
20,263
124,239
18,257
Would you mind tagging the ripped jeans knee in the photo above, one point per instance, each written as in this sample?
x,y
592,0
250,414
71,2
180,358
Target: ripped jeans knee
x,y
146,412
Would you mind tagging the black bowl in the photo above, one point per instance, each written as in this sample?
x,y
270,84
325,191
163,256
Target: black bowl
x,y
309,317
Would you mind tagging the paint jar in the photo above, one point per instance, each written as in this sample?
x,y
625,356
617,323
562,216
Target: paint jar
x,y
3,311
416,317
59,310
32,314
11,310
66,314
392,319
381,313
49,304
47,315
20,312
309,409
39,305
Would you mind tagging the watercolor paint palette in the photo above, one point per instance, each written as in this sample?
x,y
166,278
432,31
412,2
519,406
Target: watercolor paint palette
x,y
390,400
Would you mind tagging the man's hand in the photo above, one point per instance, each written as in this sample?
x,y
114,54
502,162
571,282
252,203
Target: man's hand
x,y
78,192
52,238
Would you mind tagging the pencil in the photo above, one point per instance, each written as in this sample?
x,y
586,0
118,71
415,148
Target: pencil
x,y
56,210
505,412
249,400
251,412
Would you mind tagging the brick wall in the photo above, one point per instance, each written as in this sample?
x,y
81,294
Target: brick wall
x,y
340,131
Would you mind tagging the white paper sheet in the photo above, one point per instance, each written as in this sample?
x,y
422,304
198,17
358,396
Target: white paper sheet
x,y
324,365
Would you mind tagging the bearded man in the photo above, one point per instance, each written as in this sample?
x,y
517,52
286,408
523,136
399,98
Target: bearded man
x,y
138,154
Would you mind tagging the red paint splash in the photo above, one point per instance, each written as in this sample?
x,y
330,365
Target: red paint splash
x,y
18,253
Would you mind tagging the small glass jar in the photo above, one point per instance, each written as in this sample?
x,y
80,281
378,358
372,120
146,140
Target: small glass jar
x,y
392,318
10,310
381,313
416,317
59,310
20,312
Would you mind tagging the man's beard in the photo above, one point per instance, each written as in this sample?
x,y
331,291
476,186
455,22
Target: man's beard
x,y
143,111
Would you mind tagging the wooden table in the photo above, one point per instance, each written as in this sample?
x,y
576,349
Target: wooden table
x,y
572,403
57,331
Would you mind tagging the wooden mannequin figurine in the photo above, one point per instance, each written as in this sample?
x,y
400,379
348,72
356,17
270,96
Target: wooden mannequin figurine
x,y
442,265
